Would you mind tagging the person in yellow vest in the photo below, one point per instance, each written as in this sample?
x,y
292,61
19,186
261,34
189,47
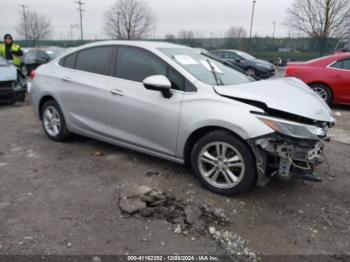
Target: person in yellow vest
x,y
11,51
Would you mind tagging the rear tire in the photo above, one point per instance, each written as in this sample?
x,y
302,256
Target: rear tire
x,y
324,92
223,163
53,122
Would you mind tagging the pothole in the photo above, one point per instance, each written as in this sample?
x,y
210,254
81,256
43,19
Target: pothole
x,y
147,203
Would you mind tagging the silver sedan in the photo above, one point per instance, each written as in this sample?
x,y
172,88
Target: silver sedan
x,y
176,103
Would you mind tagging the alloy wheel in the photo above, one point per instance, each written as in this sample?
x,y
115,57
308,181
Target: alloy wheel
x,y
250,72
52,121
321,92
221,165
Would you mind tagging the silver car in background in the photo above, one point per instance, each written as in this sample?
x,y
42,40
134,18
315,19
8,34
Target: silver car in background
x,y
176,103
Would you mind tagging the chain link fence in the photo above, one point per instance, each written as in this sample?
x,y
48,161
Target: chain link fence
x,y
295,49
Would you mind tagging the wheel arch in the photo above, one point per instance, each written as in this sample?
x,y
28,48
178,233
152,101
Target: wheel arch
x,y
199,133
42,102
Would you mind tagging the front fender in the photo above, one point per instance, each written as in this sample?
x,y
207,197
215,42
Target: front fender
x,y
221,113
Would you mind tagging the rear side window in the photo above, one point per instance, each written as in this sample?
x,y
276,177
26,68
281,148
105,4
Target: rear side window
x,y
135,64
344,64
69,61
338,65
94,60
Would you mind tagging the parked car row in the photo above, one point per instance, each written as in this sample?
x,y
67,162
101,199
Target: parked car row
x,y
186,106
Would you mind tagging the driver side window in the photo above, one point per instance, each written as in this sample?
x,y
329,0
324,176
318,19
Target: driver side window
x,y
135,64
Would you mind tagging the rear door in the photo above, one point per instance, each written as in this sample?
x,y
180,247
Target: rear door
x,y
83,88
141,117
339,73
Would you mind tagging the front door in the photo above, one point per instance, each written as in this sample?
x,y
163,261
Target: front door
x,y
135,115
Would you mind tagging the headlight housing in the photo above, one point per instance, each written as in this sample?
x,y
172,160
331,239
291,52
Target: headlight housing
x,y
294,129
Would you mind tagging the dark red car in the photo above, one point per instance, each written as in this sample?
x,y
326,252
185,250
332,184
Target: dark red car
x,y
328,76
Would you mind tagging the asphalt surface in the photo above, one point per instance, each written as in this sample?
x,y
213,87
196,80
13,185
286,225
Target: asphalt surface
x,y
63,198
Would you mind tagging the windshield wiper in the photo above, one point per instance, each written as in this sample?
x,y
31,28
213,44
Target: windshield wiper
x,y
224,62
218,79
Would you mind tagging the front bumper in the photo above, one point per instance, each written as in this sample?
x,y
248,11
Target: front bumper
x,y
285,157
264,74
11,92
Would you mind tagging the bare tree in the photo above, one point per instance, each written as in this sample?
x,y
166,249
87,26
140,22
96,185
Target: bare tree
x,y
34,26
170,37
320,18
129,19
187,38
236,32
186,35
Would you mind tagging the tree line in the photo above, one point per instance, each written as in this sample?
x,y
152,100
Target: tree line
x,y
134,19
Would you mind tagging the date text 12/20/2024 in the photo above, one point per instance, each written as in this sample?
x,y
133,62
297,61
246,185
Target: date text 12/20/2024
x,y
173,258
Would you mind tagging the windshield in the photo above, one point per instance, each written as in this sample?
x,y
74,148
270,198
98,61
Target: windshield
x,y
54,53
245,56
205,69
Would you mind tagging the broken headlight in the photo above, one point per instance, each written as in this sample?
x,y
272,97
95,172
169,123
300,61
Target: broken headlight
x,y
294,129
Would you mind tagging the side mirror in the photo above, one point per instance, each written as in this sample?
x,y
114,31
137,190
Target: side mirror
x,y
238,60
158,83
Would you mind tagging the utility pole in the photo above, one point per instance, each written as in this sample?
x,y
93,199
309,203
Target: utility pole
x,y
81,10
274,29
71,31
251,27
252,19
119,27
24,12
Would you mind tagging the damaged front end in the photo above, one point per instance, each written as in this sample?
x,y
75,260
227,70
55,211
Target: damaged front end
x,y
293,150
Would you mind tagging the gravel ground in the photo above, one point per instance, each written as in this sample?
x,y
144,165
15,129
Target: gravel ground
x,y
65,198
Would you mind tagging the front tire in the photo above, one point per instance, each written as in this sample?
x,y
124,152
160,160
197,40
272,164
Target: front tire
x,y
323,91
251,71
53,121
223,163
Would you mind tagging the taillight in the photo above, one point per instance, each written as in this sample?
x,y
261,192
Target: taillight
x,y
32,74
289,71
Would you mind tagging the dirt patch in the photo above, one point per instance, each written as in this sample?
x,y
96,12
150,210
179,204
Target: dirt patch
x,y
187,219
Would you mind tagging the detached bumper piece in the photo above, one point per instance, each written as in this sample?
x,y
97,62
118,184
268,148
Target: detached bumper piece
x,y
287,158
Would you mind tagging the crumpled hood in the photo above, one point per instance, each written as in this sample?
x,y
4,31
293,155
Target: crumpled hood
x,y
288,95
8,73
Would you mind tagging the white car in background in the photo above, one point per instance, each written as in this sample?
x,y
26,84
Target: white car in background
x,y
11,90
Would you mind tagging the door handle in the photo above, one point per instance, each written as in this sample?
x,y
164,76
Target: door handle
x,y
116,92
67,79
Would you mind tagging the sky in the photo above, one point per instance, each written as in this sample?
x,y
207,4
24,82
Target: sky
x,y
205,17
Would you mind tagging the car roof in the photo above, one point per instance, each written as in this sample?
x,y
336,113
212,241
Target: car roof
x,y
227,50
143,44
329,58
